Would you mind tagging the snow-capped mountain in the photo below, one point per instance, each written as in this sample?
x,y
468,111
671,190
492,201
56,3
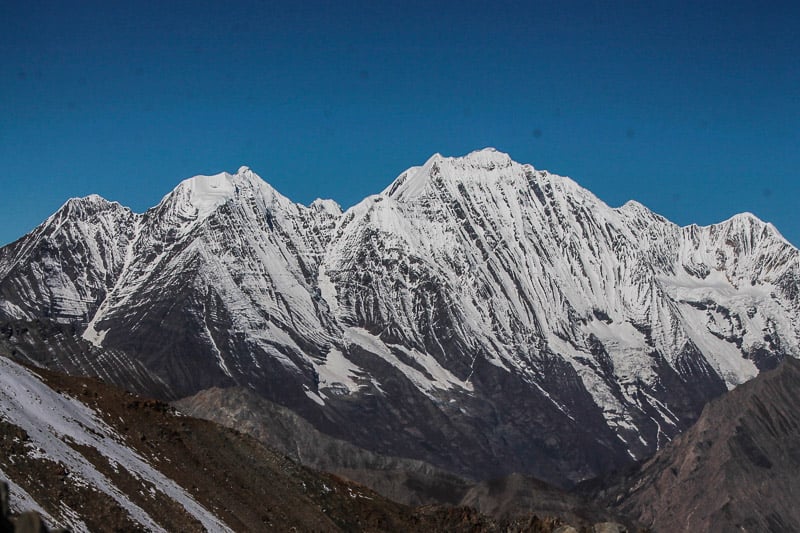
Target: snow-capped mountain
x,y
478,314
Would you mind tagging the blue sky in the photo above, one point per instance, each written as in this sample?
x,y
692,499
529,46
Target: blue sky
x,y
690,108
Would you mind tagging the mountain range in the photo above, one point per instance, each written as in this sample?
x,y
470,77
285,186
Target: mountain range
x,y
478,315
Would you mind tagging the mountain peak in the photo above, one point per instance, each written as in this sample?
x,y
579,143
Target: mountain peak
x,y
416,180
330,207
487,155
748,223
636,209
470,281
198,197
92,199
86,206
485,158
245,176
203,194
746,217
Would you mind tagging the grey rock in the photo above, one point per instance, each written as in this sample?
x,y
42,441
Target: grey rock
x,y
5,510
4,498
735,469
565,529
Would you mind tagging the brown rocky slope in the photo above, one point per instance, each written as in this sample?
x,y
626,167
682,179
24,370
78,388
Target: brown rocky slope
x,y
736,469
404,480
211,478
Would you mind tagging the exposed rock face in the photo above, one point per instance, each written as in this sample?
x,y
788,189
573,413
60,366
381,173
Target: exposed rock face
x,y
29,523
402,480
84,454
60,347
734,470
516,495
5,510
478,314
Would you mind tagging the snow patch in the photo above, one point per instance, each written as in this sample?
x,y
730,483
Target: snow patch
x,y
433,377
338,370
316,398
207,193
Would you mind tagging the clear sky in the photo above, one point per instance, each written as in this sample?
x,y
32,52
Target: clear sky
x,y
692,108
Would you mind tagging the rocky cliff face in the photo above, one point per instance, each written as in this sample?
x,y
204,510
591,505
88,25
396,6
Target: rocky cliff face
x,y
478,314
734,470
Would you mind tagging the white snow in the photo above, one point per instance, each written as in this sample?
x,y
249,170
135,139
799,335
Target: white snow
x,y
338,370
205,193
330,207
435,376
315,397
91,333
503,258
50,418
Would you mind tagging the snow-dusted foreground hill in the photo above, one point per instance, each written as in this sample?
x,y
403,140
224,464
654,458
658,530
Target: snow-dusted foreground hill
x,y
478,314
55,428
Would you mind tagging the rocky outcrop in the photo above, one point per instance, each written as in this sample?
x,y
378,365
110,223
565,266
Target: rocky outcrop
x,y
24,522
734,470
402,480
5,510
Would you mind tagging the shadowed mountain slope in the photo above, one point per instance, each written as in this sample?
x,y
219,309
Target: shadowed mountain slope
x,y
91,457
736,469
